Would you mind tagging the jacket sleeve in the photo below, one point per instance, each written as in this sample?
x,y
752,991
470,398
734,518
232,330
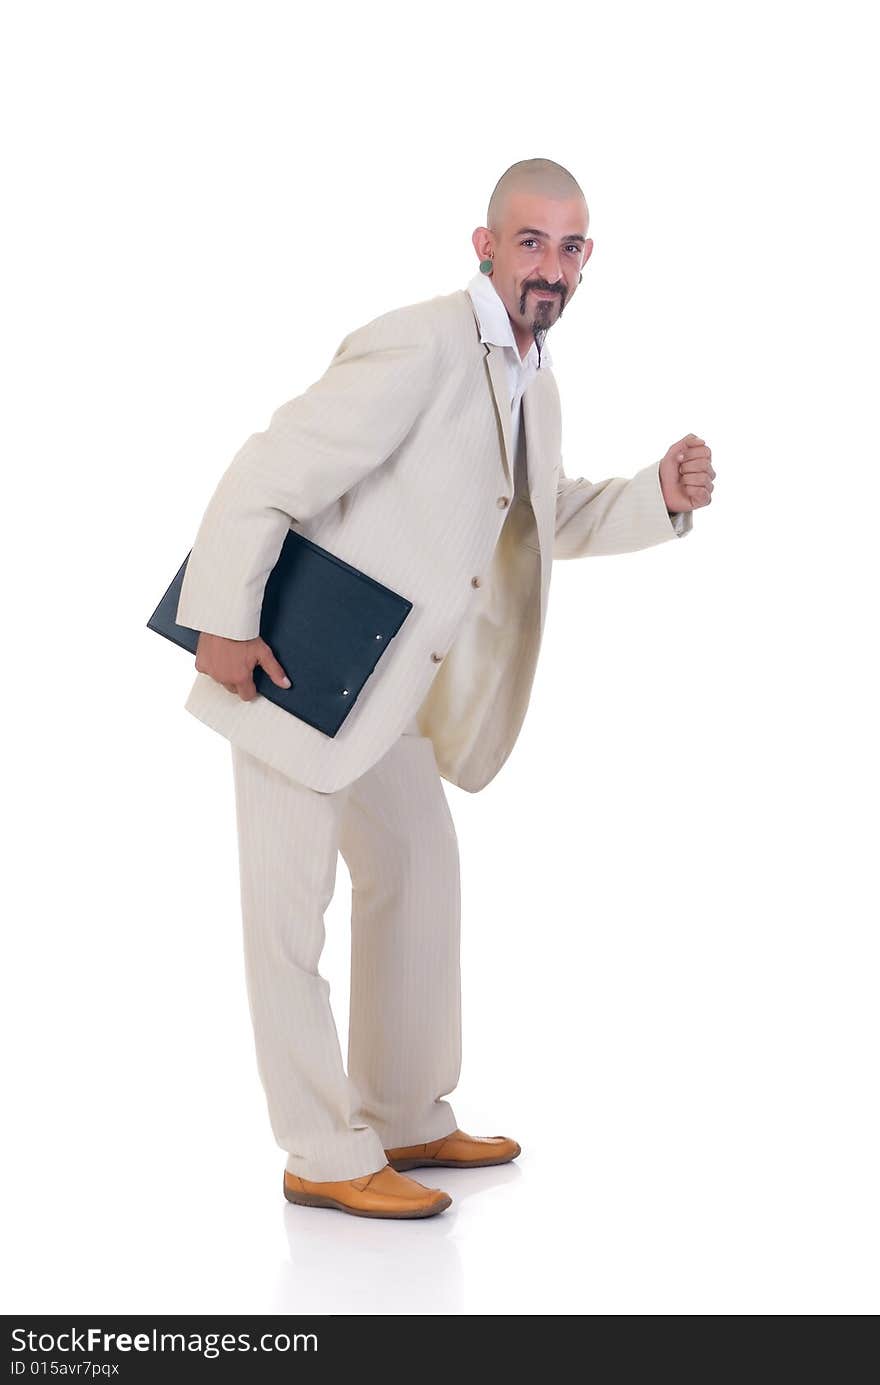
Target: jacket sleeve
x,y
619,515
316,447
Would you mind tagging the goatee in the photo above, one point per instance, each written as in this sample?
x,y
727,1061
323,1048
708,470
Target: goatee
x,y
539,333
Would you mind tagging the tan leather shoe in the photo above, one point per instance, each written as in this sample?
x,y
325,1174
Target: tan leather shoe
x,y
383,1193
455,1151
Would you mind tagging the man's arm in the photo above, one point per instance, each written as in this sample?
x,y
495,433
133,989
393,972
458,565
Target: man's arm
x,y
619,515
316,447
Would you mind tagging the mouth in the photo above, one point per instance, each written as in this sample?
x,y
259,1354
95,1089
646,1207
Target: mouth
x,y
541,293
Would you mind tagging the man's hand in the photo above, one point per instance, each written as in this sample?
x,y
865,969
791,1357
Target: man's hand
x,y
231,662
686,474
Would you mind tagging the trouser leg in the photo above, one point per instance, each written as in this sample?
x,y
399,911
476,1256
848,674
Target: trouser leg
x,y
288,848
399,843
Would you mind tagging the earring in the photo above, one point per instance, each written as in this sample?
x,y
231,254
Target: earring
x,y
580,278
486,266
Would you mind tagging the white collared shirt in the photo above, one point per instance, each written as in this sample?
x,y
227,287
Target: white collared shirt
x,y
496,330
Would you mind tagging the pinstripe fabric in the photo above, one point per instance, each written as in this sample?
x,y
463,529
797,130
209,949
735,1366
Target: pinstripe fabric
x,y
395,832
399,460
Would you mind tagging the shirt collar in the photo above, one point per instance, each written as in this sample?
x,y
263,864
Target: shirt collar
x,y
495,325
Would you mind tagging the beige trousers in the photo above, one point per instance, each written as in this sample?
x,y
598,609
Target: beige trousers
x,y
395,831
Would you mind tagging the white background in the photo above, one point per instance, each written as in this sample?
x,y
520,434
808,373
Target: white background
x,y
669,905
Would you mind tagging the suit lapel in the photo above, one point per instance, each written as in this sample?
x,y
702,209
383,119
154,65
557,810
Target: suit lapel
x,y
496,369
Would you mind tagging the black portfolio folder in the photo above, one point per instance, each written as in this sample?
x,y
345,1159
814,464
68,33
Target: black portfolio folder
x,y
327,623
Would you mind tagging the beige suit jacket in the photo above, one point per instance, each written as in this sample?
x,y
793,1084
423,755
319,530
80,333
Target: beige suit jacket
x,y
398,459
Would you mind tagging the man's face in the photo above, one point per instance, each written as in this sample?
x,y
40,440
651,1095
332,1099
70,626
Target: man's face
x,y
538,253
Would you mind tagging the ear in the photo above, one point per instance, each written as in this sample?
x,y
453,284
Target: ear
x,y
588,250
482,242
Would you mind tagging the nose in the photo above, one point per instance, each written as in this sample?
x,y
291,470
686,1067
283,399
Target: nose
x,y
550,271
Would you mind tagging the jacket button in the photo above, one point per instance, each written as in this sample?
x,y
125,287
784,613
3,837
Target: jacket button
x,y
436,658
503,502
475,581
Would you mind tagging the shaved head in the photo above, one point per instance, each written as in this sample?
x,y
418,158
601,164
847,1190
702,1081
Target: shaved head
x,y
534,245
534,178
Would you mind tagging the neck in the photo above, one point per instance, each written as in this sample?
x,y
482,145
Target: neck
x,y
523,338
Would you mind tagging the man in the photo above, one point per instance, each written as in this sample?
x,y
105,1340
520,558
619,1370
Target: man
x,y
428,456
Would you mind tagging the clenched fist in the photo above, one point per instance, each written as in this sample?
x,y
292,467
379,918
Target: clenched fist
x,y
231,662
686,474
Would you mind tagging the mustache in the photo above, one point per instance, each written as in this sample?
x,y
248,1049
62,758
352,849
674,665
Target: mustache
x,y
541,288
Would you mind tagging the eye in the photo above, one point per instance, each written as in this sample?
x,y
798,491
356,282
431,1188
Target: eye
x,y
530,240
